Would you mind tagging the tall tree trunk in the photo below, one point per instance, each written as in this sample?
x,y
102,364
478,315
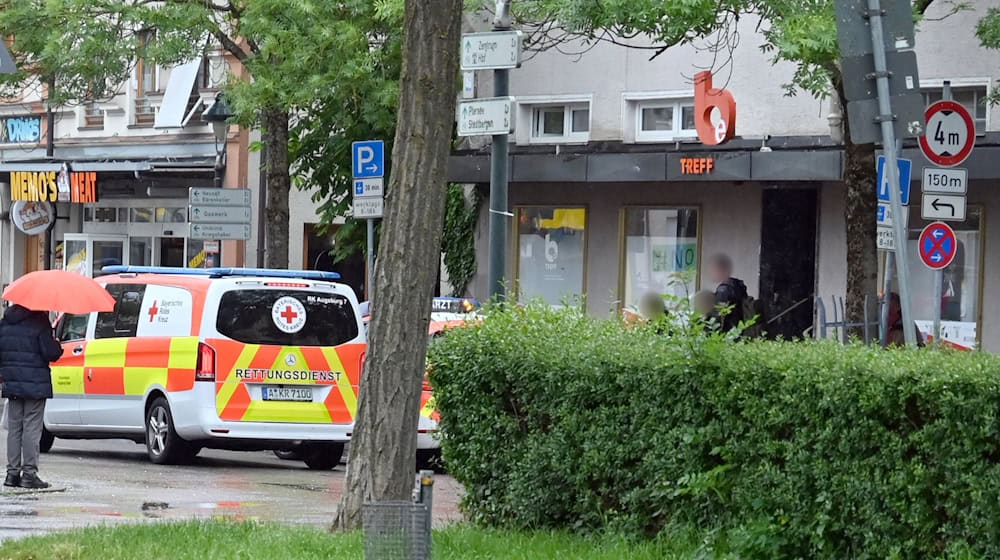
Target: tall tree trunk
x,y
383,447
278,186
860,214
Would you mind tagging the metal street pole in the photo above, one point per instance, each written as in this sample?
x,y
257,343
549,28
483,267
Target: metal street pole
x,y
371,260
892,168
890,262
499,152
939,273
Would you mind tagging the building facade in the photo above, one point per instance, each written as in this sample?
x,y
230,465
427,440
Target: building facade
x,y
613,195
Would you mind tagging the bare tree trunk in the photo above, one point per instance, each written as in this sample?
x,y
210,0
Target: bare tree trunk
x,y
383,446
278,186
860,214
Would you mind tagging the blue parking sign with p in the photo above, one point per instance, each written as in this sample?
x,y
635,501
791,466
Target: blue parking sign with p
x,y
904,166
368,159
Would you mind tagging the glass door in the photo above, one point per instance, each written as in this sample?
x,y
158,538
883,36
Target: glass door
x,y
88,254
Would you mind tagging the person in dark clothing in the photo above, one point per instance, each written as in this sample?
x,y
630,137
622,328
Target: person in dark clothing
x,y
895,337
27,347
730,292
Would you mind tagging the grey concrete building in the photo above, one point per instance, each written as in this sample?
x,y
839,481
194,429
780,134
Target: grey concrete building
x,y
612,193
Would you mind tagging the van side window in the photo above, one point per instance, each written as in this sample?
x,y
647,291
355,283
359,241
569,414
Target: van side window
x,y
72,327
124,320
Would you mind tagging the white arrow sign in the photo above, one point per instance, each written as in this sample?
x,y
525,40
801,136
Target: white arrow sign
x,y
219,214
486,117
943,207
219,231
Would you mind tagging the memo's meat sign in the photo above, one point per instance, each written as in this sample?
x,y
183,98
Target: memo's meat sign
x,y
51,186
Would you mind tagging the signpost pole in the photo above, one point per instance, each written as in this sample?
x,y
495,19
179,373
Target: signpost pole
x,y
371,259
891,167
939,273
499,152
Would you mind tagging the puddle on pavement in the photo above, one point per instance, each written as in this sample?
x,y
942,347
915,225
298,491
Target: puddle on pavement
x,y
306,487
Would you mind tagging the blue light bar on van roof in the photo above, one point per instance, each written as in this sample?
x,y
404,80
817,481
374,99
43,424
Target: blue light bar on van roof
x,y
224,272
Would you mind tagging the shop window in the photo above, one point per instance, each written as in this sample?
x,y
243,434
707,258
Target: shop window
x,y
658,120
203,254
661,253
171,215
140,251
973,98
959,298
104,215
552,249
560,123
141,215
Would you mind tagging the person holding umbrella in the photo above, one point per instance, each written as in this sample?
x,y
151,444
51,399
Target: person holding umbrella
x,y
27,347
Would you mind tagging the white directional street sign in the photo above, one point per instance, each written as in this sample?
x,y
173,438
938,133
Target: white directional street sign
x,y
948,181
219,214
949,208
486,117
494,50
219,197
219,231
368,207
885,239
950,134
368,187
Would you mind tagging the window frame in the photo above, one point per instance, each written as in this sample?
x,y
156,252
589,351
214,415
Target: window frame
x,y
568,136
678,132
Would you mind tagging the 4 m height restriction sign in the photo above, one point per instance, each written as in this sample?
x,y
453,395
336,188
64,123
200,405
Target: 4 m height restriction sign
x,y
949,135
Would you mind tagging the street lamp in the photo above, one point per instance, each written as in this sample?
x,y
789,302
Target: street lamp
x,y
219,114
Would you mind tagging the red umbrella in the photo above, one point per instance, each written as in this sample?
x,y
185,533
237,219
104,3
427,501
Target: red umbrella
x,y
59,290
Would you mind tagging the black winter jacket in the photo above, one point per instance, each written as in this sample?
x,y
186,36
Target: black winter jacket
x,y
27,346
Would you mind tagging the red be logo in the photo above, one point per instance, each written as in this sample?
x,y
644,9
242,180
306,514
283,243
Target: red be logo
x,y
722,128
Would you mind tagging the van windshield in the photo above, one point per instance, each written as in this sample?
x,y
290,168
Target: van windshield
x,y
286,318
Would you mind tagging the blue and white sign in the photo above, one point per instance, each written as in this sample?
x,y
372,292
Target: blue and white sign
x,y
904,180
368,159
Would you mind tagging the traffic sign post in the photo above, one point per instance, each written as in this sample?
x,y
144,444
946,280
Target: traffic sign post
x,y
854,18
368,169
498,51
948,140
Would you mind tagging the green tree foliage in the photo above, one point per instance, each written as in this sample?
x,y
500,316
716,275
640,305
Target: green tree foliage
x,y
552,419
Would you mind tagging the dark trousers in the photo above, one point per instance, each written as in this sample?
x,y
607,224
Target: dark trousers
x,y
24,417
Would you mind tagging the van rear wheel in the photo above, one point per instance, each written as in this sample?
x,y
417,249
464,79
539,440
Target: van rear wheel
x,y
322,456
163,445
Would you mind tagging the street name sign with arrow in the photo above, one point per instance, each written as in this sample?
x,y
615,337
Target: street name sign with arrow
x,y
486,117
943,207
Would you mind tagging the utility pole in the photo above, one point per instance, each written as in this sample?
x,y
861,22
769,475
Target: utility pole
x,y
499,155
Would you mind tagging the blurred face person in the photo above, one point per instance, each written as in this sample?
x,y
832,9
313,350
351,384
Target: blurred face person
x,y
704,303
720,268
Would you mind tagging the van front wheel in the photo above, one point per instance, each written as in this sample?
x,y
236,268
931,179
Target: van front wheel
x,y
163,445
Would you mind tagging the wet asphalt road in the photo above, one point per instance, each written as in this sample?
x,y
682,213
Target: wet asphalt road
x,y
111,481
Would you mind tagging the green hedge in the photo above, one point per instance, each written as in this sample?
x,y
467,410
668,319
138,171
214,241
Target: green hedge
x,y
799,450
